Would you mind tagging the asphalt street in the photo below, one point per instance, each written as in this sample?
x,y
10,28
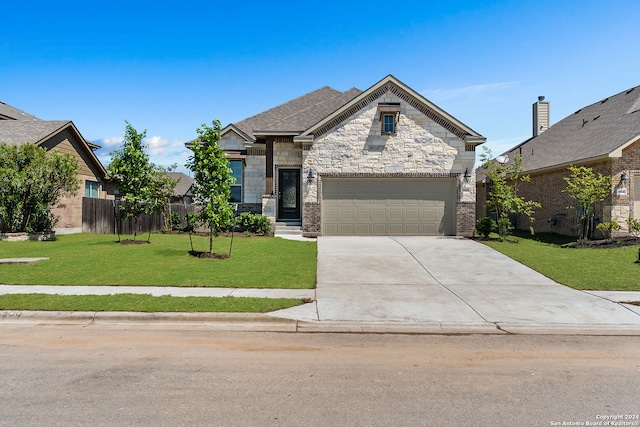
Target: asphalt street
x,y
76,375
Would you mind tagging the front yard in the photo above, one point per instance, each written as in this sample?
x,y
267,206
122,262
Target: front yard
x,y
612,269
94,259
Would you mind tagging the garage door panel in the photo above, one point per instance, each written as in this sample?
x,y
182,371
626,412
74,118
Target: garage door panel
x,y
378,214
363,215
378,206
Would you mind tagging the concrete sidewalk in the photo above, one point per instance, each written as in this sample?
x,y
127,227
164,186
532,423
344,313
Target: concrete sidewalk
x,y
159,291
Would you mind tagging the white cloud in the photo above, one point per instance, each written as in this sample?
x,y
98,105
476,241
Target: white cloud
x,y
466,91
111,141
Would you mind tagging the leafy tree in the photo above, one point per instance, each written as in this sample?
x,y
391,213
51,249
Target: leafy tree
x,y
212,180
130,165
587,189
162,188
32,182
503,192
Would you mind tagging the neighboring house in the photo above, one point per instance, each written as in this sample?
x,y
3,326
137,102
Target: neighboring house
x,y
18,127
182,189
384,161
604,136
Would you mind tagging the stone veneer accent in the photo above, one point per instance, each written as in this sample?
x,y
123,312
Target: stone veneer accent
x,y
465,218
356,148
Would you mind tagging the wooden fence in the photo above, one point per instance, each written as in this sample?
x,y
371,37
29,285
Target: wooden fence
x,y
100,216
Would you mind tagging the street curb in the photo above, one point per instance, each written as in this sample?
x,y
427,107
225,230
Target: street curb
x,y
259,322
571,329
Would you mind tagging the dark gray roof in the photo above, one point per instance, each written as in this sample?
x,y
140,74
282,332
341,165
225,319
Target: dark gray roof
x,y
298,114
7,112
594,131
21,131
184,182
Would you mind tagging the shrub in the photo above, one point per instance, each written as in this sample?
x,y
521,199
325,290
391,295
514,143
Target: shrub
x,y
634,226
484,226
254,223
608,227
176,221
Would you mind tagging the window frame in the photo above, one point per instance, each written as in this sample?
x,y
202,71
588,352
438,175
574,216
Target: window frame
x,y
89,186
239,185
392,123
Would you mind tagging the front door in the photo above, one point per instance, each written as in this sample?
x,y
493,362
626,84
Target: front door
x,y
288,194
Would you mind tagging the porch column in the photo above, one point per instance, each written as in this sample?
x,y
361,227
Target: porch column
x,y
269,166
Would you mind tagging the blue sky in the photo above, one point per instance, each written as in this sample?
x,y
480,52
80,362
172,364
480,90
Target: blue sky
x,y
169,67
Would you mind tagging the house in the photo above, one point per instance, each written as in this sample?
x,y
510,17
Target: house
x,y
18,127
604,136
182,189
384,161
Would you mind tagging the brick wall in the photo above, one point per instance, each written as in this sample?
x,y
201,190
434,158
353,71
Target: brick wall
x,y
555,215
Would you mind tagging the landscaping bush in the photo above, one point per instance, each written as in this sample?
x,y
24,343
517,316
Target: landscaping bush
x,y
254,223
634,226
485,226
176,221
608,227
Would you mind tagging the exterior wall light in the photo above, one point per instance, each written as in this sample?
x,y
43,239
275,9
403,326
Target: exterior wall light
x,y
467,176
310,176
624,178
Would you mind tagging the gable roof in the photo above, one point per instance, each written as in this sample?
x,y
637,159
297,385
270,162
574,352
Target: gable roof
x,y
7,112
401,90
22,131
184,182
295,116
39,131
597,131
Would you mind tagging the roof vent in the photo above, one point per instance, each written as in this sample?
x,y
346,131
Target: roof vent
x,y
541,98
604,100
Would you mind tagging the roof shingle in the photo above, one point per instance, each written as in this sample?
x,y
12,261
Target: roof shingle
x,y
21,131
7,112
298,114
594,131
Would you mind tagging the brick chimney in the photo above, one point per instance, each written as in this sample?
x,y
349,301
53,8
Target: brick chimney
x,y
540,116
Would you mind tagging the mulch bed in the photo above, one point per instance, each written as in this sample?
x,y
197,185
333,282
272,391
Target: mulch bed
x,y
604,243
237,234
133,242
213,255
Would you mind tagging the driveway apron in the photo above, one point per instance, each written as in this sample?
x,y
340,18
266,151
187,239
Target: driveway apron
x,y
449,280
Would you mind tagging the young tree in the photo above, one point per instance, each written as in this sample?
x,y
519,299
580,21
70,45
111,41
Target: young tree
x,y
130,165
212,180
161,191
587,189
32,182
503,192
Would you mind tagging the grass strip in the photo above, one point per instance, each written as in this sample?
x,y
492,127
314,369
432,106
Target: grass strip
x,y
144,303
610,269
97,259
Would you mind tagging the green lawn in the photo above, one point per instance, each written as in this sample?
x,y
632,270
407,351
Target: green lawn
x,y
143,303
590,269
94,259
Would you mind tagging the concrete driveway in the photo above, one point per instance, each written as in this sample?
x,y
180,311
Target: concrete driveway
x,y
445,280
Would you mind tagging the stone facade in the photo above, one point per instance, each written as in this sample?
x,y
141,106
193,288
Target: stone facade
x,y
348,142
419,147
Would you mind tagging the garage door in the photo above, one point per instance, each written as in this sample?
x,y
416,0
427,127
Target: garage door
x,y
388,207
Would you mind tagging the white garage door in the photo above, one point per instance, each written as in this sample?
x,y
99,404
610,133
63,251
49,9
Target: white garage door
x,y
388,206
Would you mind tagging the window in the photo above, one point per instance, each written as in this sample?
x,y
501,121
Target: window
x,y
236,188
388,123
389,115
91,189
